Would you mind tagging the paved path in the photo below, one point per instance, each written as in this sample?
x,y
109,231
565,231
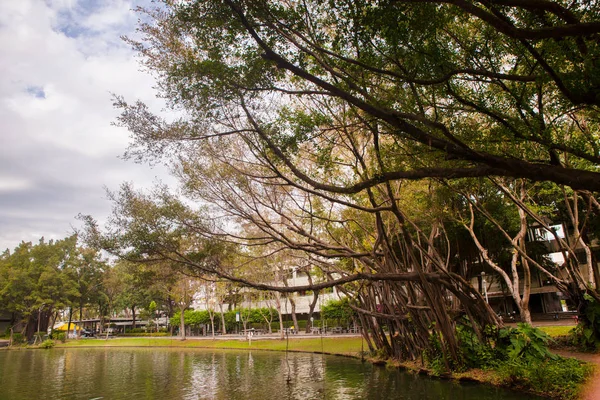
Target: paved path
x,y
237,336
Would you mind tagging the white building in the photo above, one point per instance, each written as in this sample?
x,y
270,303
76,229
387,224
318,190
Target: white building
x,y
302,299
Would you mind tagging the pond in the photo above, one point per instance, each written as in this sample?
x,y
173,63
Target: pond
x,y
133,373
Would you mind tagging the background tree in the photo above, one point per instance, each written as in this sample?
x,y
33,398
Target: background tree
x,y
136,280
34,282
183,293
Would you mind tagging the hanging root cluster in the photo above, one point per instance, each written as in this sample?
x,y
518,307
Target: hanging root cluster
x,y
407,319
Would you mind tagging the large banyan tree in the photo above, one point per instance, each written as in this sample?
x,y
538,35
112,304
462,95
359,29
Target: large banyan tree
x,y
327,130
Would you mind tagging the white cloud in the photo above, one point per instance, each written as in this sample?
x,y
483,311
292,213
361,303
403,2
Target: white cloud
x,y
10,184
60,62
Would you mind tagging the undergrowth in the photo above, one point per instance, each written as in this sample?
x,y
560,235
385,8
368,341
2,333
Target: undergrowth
x,y
519,357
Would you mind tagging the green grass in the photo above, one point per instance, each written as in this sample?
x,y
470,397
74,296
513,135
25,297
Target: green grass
x,y
343,346
555,331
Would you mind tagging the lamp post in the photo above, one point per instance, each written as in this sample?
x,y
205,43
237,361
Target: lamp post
x,y
484,285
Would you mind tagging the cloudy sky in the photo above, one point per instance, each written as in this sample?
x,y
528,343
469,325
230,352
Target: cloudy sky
x,y
60,60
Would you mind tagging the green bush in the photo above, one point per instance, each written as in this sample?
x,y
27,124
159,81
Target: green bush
x,y
558,378
47,344
524,342
473,352
519,356
586,334
583,337
338,311
62,336
18,338
531,366
434,356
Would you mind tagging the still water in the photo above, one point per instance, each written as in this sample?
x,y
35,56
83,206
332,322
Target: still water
x,y
208,374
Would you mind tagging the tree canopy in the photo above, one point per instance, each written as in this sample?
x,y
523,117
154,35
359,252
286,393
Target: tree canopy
x,y
344,132
445,89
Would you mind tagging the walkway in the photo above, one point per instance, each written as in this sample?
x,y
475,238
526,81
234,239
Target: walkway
x,y
265,336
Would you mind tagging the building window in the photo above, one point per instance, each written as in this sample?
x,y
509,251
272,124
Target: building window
x,y
542,234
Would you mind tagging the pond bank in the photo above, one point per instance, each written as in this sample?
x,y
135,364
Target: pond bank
x,y
343,345
177,373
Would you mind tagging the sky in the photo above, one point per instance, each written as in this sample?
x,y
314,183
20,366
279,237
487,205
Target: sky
x,y
60,63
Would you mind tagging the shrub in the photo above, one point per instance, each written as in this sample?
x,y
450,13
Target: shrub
x,y
62,336
338,310
474,352
558,378
531,366
583,337
47,344
434,356
586,334
524,342
18,338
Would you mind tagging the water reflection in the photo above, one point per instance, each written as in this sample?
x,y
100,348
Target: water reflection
x,y
226,375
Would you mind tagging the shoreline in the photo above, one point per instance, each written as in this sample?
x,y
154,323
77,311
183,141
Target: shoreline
x,y
351,346
339,345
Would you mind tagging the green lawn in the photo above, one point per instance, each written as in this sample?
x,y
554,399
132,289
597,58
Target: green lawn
x,y
350,346
555,331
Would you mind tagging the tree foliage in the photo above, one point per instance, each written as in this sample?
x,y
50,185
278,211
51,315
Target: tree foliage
x,y
36,280
332,129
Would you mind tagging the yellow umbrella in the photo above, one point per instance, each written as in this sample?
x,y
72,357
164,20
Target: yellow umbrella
x,y
63,327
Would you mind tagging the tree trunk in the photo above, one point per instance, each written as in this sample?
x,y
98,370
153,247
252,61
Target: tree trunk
x,y
52,321
525,315
182,324
311,308
524,309
133,315
244,322
278,308
294,318
269,320
70,319
223,328
81,311
102,312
